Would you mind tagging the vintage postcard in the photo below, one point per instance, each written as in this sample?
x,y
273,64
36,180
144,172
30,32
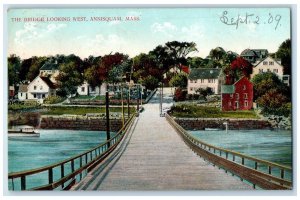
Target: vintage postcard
x,y
149,99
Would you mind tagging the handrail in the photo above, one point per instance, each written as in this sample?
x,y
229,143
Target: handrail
x,y
253,175
94,155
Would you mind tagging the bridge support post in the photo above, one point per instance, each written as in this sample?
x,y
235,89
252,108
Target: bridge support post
x,y
107,119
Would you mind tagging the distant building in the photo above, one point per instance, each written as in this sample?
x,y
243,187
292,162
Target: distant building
x,y
86,89
254,55
269,64
204,78
238,96
11,92
51,70
40,88
22,93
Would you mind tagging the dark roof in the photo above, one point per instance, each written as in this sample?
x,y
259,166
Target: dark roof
x,y
202,73
227,89
248,52
49,66
48,82
23,88
259,53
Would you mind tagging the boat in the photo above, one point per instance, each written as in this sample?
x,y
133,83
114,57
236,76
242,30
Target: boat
x,y
212,129
23,131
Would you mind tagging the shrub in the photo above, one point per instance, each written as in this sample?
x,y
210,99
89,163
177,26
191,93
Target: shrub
x,y
180,95
53,99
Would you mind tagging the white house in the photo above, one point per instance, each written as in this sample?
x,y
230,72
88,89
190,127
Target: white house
x,y
269,64
204,78
40,88
86,89
22,93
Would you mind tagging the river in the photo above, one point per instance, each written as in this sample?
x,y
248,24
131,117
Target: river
x,y
52,146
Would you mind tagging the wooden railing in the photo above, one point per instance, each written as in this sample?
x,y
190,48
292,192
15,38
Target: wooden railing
x,y
77,166
261,173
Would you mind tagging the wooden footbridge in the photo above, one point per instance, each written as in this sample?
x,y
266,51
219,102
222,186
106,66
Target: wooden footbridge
x,y
155,153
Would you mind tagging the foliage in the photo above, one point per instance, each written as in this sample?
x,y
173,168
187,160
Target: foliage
x,y
194,62
179,80
204,92
150,82
53,99
14,63
27,105
180,94
262,83
194,111
24,118
69,78
284,53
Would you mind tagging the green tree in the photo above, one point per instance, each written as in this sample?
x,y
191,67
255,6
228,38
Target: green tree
x,y
262,83
194,62
14,63
150,82
204,91
179,80
284,53
69,78
34,69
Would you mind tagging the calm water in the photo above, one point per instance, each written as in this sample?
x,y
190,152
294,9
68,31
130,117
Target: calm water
x,y
52,146
274,146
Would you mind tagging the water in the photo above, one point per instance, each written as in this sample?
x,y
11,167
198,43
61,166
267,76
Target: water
x,y
52,146
273,146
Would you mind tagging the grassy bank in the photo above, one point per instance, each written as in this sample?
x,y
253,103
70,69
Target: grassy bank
x,y
194,111
81,110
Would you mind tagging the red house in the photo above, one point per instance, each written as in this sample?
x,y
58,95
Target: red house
x,y
238,96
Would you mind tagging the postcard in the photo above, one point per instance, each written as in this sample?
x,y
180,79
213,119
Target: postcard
x,y
149,99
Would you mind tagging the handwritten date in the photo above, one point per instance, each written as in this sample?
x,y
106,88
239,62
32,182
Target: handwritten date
x,y
250,18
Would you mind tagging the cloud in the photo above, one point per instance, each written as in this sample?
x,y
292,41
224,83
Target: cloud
x,y
166,28
192,32
31,32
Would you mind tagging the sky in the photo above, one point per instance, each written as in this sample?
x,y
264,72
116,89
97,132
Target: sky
x,y
60,32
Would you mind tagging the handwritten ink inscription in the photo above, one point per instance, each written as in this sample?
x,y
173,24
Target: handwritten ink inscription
x,y
272,19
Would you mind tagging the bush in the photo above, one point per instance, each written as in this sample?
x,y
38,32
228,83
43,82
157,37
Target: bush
x,y
53,99
180,95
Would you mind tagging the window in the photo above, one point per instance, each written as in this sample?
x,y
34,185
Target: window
x,y
246,104
237,95
245,96
41,87
275,71
93,89
191,89
271,63
229,103
34,95
82,89
34,87
265,62
231,96
195,81
211,80
21,94
268,70
261,71
236,104
43,95
202,80
244,87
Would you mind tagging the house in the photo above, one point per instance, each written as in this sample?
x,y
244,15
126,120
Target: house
x,y
254,55
86,89
238,96
40,88
270,64
51,70
11,92
204,78
22,93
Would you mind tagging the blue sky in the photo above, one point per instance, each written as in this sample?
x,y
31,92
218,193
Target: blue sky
x,y
155,26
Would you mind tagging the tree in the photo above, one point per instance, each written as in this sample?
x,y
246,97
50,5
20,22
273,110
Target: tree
x,y
14,63
150,82
69,78
262,83
194,62
217,53
284,53
34,69
242,65
204,91
179,80
91,75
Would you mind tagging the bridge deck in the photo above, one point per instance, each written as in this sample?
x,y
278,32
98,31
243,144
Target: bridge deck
x,y
155,158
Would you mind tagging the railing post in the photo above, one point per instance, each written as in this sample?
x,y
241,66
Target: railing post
x,y
255,166
270,169
243,160
50,175
62,169
282,173
80,165
128,103
72,166
23,182
233,157
107,119
226,155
